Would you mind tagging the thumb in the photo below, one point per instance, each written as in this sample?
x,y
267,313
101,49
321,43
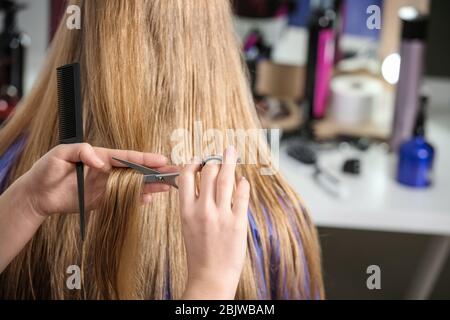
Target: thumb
x,y
79,152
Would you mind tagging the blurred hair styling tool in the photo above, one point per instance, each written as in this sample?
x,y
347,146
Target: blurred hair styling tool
x,y
320,60
71,122
305,154
152,175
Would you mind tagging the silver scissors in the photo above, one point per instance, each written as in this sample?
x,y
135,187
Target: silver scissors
x,y
152,175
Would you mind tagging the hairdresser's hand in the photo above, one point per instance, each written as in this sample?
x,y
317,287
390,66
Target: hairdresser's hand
x,y
51,184
214,228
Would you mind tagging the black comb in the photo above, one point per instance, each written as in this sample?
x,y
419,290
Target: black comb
x,y
71,122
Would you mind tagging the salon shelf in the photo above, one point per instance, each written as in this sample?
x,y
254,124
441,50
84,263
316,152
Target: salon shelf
x,y
375,201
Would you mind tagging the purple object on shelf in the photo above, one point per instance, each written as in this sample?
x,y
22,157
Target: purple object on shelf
x,y
412,52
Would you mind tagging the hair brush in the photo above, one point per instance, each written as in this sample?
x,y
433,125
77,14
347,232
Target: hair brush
x,y
71,122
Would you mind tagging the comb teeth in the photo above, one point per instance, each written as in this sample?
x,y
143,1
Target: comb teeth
x,y
69,102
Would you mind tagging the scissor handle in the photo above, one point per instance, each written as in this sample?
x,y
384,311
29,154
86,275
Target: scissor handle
x,y
217,158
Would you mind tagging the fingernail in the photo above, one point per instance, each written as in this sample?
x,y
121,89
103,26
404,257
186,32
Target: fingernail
x,y
147,199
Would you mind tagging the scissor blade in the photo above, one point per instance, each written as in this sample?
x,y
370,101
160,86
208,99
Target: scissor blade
x,y
142,169
164,178
170,179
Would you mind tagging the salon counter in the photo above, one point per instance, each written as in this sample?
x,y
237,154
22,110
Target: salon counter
x,y
374,201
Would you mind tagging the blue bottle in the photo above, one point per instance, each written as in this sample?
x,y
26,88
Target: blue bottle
x,y
416,155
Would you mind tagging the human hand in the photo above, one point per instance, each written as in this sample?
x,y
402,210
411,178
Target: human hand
x,y
214,228
51,184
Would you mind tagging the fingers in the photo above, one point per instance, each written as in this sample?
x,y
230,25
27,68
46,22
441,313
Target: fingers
x,y
102,158
167,169
146,198
225,180
186,184
241,199
155,188
208,181
80,152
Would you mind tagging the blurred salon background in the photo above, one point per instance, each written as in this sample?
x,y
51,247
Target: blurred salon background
x,y
361,91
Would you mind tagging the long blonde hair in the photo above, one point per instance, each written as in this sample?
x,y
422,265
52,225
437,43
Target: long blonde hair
x,y
148,68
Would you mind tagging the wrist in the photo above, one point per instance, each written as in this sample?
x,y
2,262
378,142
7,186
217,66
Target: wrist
x,y
18,222
22,196
212,287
